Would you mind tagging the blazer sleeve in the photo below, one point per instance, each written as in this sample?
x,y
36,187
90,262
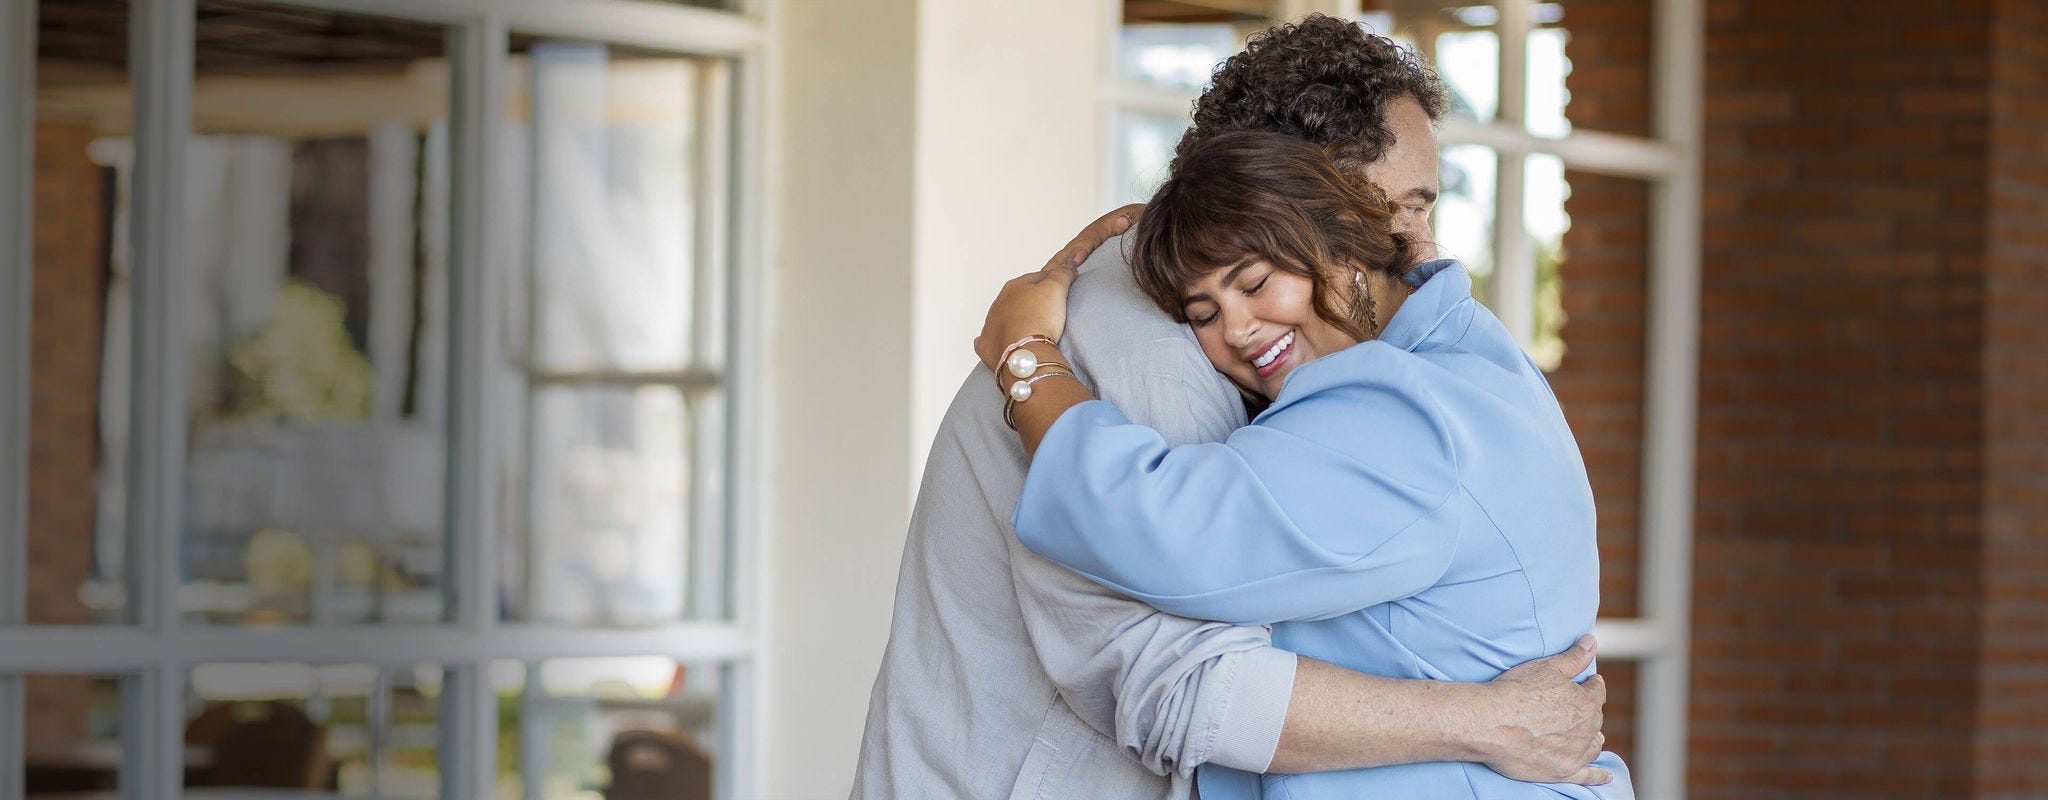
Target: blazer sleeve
x,y
1342,496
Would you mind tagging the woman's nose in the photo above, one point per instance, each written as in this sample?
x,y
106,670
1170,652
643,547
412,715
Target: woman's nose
x,y
1241,327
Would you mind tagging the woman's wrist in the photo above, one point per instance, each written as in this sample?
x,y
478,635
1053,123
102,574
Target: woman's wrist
x,y
1029,357
1027,364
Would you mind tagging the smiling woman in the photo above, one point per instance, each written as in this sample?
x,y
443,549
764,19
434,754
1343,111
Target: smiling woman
x,y
1272,253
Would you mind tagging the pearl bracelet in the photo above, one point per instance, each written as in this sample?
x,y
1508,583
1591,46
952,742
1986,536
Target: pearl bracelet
x,y
1020,392
1016,354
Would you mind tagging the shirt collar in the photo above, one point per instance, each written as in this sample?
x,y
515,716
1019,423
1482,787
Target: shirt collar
x,y
1440,287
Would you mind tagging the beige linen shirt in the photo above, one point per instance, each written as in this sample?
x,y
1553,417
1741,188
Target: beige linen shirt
x,y
1007,676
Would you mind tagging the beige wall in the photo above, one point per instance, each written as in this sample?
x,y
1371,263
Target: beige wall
x,y
926,151
1009,139
839,313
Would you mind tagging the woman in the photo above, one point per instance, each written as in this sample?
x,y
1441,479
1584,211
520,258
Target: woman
x,y
1410,502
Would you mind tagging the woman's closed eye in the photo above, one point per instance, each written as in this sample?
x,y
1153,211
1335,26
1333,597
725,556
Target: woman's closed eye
x,y
1198,317
1254,288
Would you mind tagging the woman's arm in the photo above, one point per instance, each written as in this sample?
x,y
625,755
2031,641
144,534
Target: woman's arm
x,y
1337,500
1341,499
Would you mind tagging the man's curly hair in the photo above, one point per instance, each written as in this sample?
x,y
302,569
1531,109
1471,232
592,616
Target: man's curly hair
x,y
1321,79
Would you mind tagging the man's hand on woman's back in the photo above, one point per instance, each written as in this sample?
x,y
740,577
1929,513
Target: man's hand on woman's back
x,y
1538,725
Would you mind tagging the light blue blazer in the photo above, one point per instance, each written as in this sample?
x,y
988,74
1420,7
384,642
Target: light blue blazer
x,y
1413,506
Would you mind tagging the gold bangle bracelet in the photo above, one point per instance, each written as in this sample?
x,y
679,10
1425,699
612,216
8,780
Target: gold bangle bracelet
x,y
1020,392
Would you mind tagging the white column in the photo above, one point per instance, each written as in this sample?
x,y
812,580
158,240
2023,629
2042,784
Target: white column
x,y
1671,403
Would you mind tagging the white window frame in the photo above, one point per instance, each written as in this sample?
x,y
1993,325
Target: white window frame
x,y
1659,639
152,655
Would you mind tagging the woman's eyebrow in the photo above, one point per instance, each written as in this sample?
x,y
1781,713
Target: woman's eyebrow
x,y
1230,278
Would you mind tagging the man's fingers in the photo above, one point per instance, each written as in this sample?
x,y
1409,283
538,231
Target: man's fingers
x,y
1575,659
1104,228
1598,686
1590,775
1123,218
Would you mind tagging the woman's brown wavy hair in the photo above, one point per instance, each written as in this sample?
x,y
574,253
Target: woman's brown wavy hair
x,y
1250,195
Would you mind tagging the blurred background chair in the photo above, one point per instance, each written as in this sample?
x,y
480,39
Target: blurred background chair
x,y
281,747
657,765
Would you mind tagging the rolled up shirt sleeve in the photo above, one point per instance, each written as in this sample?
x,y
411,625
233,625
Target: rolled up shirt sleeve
x,y
1340,497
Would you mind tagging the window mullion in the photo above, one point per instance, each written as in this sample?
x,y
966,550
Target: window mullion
x,y
744,464
469,720
153,740
469,730
12,742
479,49
533,734
1514,27
1514,261
713,266
161,49
1590,151
17,260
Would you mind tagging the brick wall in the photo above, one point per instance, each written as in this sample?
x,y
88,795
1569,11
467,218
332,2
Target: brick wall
x,y
1871,606
63,410
1870,565
2012,737
1841,435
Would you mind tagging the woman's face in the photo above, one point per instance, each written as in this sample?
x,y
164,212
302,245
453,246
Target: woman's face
x,y
1257,322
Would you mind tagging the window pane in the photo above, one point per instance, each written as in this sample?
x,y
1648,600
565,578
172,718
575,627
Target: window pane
x,y
1546,83
610,507
611,372
609,136
349,729
1144,149
72,725
1175,55
722,5
1543,214
1465,210
78,361
646,727
317,318
1458,37
1176,45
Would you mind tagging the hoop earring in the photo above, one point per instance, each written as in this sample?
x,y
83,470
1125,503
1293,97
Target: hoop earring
x,y
1361,297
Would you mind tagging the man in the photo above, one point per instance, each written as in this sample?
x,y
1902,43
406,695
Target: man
x,y
1007,676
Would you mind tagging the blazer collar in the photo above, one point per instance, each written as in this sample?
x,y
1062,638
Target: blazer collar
x,y
1441,287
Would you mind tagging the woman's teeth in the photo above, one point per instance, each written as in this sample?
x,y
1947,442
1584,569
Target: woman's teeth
x,y
1274,352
